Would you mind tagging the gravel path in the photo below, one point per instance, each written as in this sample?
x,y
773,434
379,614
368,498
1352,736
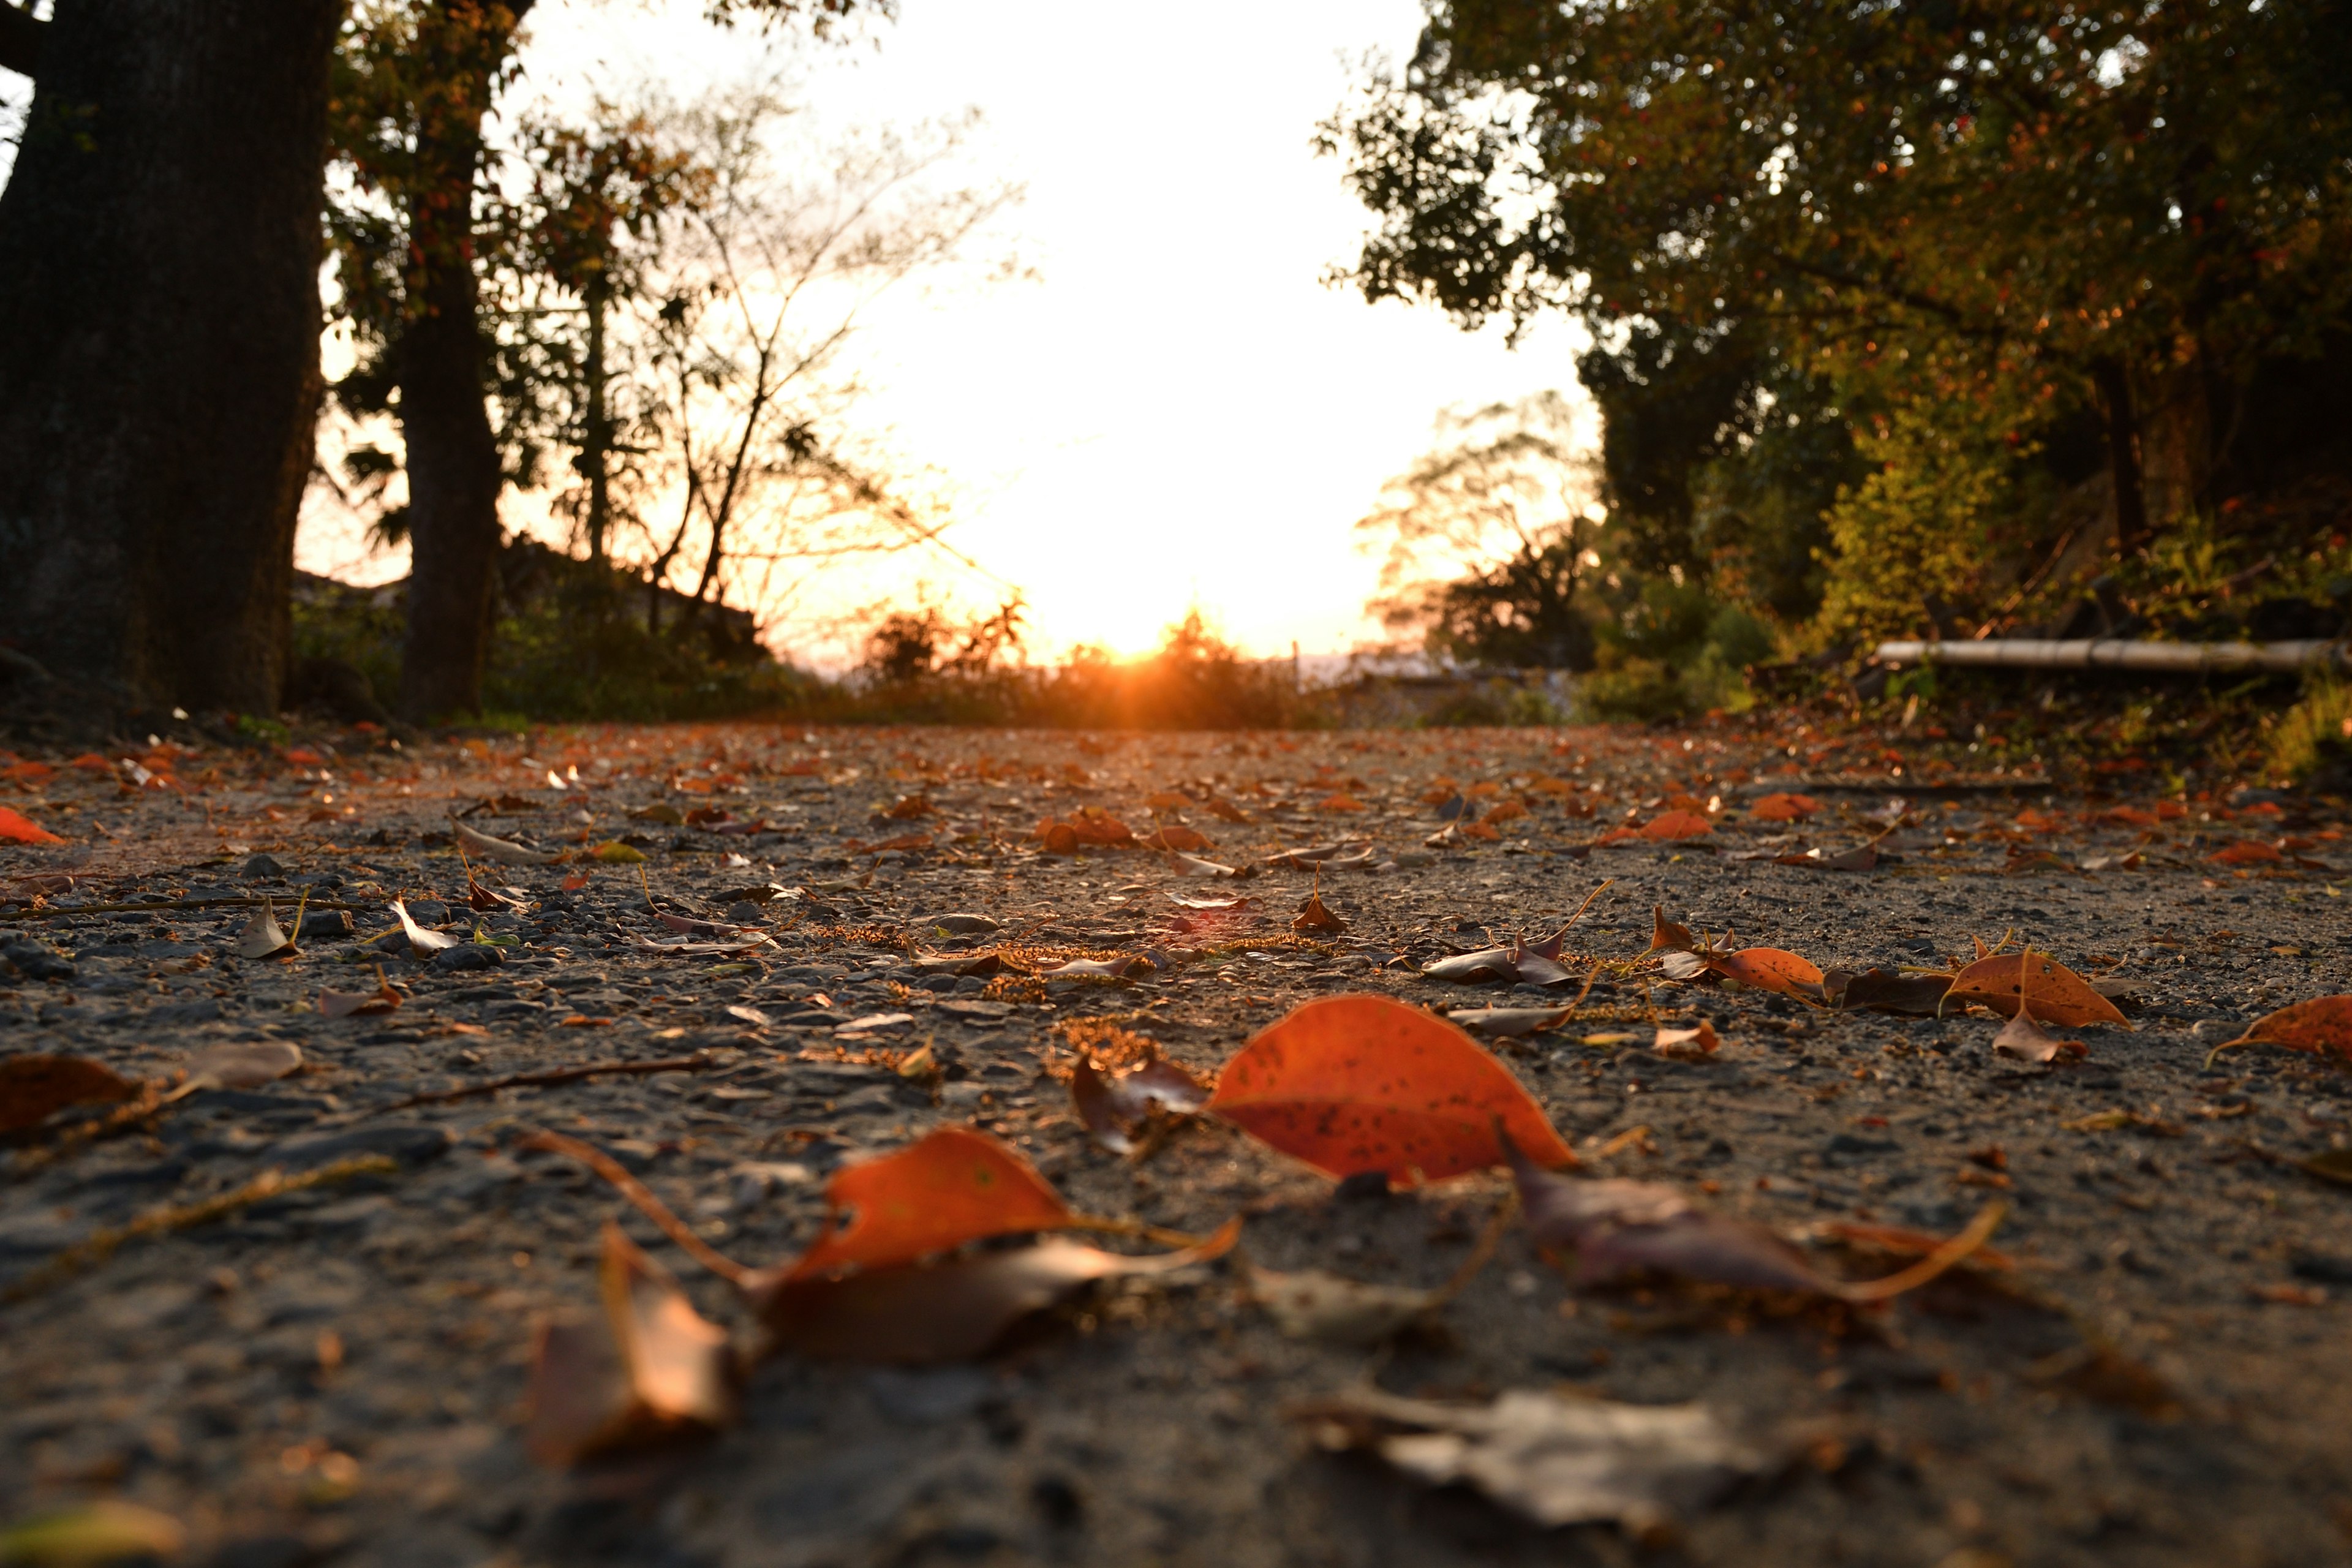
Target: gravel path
x,y
336,1373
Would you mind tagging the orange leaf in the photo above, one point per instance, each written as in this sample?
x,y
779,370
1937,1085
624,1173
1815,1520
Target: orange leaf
x,y
1768,969
1550,786
2053,992
14,829
1175,835
1675,825
2247,852
1505,811
1167,800
1780,807
1351,1084
2323,1026
30,773
1060,839
954,1186
1668,935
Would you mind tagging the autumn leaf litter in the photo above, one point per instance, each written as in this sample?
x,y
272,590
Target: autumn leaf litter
x,y
1510,1266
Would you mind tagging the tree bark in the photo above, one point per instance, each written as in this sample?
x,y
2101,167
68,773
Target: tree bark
x,y
2122,454
454,476
159,342
2176,435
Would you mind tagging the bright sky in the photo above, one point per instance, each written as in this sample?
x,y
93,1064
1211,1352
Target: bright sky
x,y
1177,412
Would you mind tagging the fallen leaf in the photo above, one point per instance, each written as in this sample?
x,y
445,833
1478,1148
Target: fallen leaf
x,y
660,811
1193,866
1111,968
1887,990
1505,811
2027,1041
1175,835
2247,852
1769,969
649,1368
35,1088
1355,1084
1225,810
1486,963
1782,808
1668,937
503,849
1188,901
953,1186
2333,1165
951,1311
1510,1021
15,829
1058,838
1113,1107
1313,916
1616,1227
1863,858
613,852
349,1004
245,1064
1313,1305
2321,1026
423,944
106,1531
2055,994
262,936
1674,827
575,882
1552,1459
1167,800
1688,1045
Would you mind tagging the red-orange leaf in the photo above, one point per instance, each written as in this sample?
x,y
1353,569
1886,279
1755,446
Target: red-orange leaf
x,y
1779,807
34,1088
954,1186
1175,835
2247,852
1768,969
15,829
1351,1084
2053,992
2323,1026
1675,825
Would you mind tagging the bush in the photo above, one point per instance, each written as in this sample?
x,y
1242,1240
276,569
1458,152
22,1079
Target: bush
x,y
2312,746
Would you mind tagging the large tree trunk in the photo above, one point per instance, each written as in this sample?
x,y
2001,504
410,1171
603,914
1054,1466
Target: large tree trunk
x,y
2176,435
454,476
2123,454
159,342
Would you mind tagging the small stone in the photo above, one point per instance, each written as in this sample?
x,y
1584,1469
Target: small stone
x,y
326,925
264,869
469,955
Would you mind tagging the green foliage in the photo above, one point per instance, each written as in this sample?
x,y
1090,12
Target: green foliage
x,y
2312,745
1923,525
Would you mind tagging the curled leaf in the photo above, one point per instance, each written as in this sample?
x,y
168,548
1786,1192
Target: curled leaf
x,y
1486,963
1355,1084
1688,1045
1667,936
349,1004
502,850
1313,1305
1193,866
2027,1041
1510,1021
650,1367
613,852
1551,1458
1113,1107
2321,1026
952,1311
245,1064
1313,916
262,936
35,1088
423,944
1175,835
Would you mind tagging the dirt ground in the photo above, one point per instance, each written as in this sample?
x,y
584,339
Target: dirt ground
x,y
336,1374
